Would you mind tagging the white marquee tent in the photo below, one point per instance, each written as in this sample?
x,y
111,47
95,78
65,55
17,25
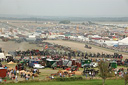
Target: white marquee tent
x,y
2,55
123,41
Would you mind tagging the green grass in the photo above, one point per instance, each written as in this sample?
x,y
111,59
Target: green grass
x,y
9,65
82,82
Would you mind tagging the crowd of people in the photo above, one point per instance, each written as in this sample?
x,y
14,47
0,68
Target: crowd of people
x,y
120,72
13,73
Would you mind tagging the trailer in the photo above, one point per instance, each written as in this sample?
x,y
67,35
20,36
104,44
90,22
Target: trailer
x,y
49,62
3,72
62,64
85,62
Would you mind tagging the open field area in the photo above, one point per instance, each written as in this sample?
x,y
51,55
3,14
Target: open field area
x,y
80,46
26,23
12,46
84,82
63,42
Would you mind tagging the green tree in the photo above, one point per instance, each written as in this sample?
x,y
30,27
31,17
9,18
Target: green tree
x,y
126,78
105,70
65,22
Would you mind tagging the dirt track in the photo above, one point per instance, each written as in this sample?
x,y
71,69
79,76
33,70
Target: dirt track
x,y
12,46
80,46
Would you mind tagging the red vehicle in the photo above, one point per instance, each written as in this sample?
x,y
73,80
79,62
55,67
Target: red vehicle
x,y
3,72
119,62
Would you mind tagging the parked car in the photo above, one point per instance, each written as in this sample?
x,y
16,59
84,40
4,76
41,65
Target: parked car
x,y
38,66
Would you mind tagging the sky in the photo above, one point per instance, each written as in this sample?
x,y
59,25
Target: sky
x,y
75,8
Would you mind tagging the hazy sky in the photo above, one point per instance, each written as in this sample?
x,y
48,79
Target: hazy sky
x,y
87,8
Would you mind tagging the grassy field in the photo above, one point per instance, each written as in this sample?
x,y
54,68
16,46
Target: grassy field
x,y
83,82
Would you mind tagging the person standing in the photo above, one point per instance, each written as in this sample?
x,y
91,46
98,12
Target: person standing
x,y
5,67
17,72
0,80
115,73
16,77
86,74
52,77
33,76
28,76
60,74
21,74
14,72
10,75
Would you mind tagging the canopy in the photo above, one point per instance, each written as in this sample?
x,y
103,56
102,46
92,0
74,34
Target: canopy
x,y
11,62
22,71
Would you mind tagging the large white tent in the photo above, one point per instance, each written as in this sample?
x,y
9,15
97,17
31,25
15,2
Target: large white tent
x,y
123,41
2,55
111,43
108,43
31,38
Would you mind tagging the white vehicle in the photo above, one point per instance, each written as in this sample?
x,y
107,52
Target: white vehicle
x,y
38,66
93,64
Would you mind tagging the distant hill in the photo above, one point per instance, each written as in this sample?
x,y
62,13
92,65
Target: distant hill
x,y
55,18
